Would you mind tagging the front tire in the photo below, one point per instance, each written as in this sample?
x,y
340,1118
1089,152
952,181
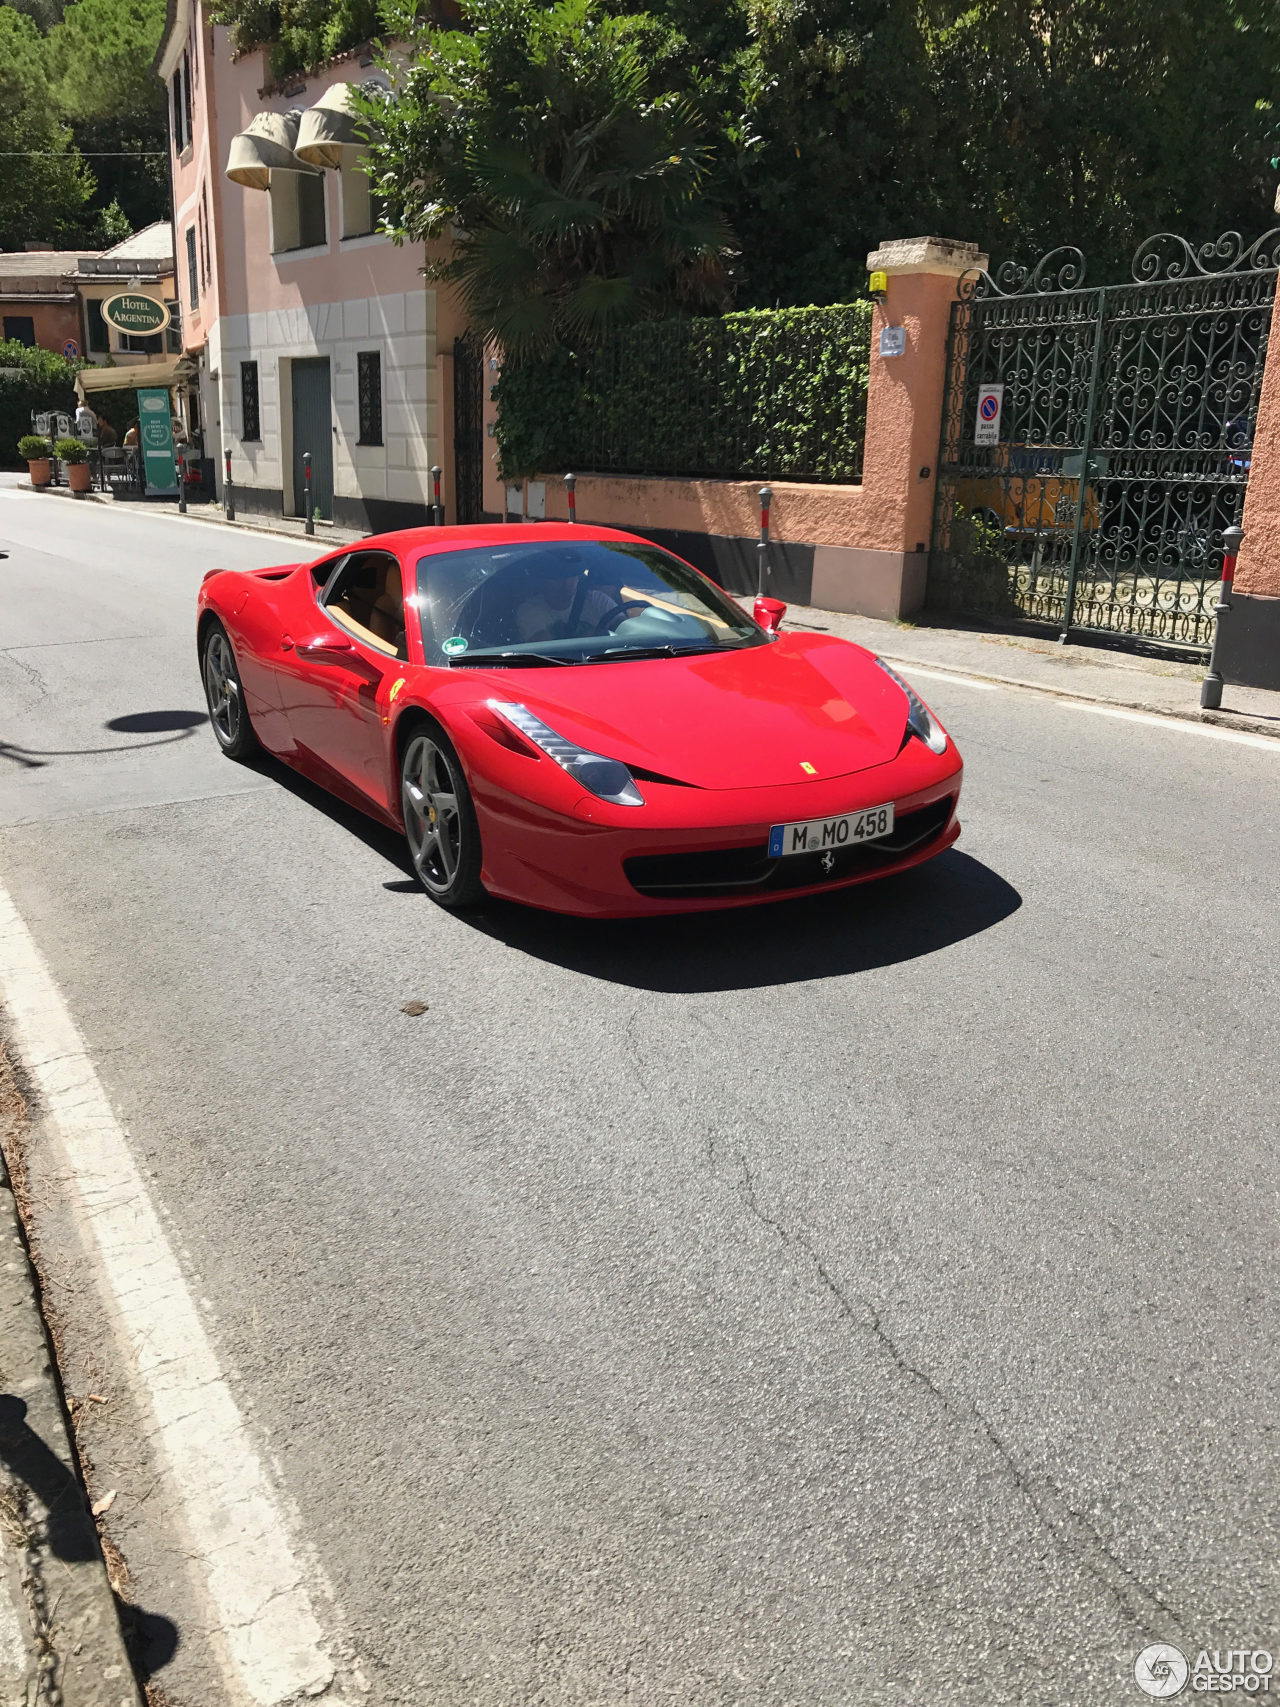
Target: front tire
x,y
224,692
439,818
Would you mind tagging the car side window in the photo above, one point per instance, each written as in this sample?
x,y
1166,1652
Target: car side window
x,y
367,599
322,573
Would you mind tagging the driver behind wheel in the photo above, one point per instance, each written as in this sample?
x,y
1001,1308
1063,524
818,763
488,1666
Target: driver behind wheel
x,y
560,604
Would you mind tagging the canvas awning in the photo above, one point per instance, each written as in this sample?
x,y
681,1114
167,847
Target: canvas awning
x,y
332,130
160,375
267,144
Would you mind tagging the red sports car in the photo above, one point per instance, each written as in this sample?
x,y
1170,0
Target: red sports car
x,y
573,718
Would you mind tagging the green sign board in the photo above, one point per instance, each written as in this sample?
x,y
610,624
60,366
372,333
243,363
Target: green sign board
x,y
133,312
155,435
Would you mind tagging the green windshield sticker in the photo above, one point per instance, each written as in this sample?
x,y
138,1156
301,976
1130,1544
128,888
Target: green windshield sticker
x,y
453,646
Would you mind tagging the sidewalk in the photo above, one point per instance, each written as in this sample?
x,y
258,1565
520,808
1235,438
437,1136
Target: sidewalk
x,y
60,1639
1099,673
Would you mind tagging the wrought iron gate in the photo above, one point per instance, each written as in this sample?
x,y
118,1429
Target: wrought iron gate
x,y
1121,440
468,428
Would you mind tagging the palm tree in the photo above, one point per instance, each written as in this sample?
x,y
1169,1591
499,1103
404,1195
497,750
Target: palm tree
x,y
576,199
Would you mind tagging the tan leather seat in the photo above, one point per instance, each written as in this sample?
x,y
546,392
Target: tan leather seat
x,y
386,615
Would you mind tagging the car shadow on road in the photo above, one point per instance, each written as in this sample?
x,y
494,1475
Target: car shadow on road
x,y
854,930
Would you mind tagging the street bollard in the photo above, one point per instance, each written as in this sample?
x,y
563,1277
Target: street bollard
x,y
1211,686
570,483
310,523
228,492
762,550
437,519
182,481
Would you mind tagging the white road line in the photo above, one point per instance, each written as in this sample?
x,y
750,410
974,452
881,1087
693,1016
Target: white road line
x,y
263,1611
1241,737
941,675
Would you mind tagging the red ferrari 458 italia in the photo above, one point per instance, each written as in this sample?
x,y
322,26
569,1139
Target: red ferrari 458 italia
x,y
573,718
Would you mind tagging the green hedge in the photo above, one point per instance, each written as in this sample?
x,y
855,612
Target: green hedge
x,y
44,381
767,394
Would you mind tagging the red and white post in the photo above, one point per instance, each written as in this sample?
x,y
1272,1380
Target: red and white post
x,y
1211,686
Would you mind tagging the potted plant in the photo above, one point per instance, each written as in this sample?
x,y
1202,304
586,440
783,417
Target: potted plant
x,y
35,452
74,455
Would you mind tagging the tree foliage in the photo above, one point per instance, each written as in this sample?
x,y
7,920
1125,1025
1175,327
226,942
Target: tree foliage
x,y
30,379
572,184
79,100
45,191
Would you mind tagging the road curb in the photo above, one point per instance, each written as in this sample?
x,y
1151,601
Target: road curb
x,y
210,516
1236,720
52,1573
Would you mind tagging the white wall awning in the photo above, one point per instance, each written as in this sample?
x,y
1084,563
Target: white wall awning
x,y
157,374
266,145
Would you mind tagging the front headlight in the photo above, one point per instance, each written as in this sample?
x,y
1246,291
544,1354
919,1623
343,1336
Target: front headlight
x,y
608,778
919,719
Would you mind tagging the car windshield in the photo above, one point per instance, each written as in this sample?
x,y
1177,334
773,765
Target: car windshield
x,y
570,602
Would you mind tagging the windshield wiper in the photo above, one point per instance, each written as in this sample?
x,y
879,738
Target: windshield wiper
x,y
667,651
508,658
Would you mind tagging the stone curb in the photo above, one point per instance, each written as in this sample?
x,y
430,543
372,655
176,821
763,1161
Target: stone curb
x,y
1226,719
210,514
51,1566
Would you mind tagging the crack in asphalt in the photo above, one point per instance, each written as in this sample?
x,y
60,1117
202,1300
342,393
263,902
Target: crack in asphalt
x,y
1073,1532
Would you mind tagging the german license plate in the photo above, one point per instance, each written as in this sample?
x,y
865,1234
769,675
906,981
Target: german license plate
x,y
820,834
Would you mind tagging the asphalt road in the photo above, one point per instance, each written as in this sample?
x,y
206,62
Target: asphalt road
x,y
870,1299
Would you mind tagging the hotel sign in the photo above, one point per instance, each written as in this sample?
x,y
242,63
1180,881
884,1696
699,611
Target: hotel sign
x,y
136,314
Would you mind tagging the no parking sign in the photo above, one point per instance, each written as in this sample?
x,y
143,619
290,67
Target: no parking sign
x,y
986,429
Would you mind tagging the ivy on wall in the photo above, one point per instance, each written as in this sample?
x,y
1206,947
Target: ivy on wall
x,y
766,394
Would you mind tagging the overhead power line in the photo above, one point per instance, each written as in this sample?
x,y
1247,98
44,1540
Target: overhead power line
x,y
91,154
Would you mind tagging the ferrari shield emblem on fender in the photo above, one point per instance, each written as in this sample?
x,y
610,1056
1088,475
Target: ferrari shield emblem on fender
x,y
807,768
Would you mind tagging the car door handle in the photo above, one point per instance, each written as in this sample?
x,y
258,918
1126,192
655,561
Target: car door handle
x,y
286,643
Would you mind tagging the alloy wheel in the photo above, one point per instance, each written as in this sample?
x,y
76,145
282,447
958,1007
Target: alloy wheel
x,y
222,687
432,818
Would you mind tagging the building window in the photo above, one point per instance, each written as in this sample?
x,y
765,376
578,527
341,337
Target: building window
x,y
151,345
369,370
297,211
21,328
250,430
97,332
206,259
173,331
182,106
193,279
361,205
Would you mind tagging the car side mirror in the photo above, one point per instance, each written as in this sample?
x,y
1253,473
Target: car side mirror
x,y
326,646
769,614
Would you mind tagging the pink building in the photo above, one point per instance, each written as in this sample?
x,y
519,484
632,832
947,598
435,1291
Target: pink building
x,y
314,334
183,62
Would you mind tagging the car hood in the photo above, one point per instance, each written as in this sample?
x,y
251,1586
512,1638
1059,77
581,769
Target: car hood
x,y
802,706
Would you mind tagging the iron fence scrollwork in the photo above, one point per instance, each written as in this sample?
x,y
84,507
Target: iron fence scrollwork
x,y
1126,433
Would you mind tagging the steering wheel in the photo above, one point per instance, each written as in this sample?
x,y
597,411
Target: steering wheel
x,y
620,611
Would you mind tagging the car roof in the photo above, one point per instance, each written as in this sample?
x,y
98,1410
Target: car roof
x,y
431,540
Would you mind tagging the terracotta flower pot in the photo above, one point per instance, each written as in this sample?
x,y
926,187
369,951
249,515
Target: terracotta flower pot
x,y
41,471
78,476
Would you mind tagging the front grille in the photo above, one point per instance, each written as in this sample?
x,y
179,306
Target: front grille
x,y
726,871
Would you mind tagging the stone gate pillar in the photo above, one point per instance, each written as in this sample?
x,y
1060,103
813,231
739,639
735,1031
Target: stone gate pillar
x,y
884,574
1249,655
